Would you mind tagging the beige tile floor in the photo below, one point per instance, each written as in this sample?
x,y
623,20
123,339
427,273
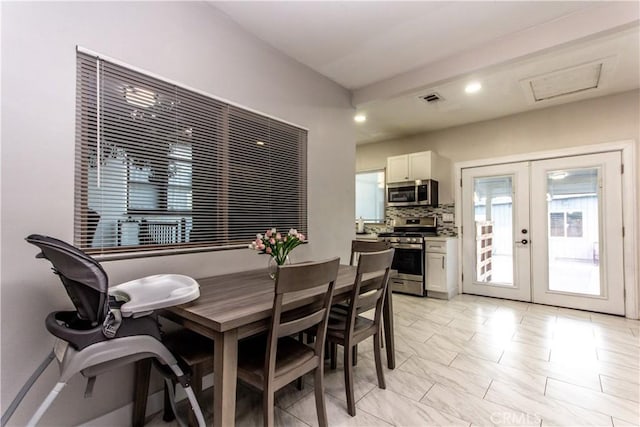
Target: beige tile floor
x,y
480,361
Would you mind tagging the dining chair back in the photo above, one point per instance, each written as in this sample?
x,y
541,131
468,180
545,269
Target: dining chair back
x,y
364,246
270,362
359,247
369,290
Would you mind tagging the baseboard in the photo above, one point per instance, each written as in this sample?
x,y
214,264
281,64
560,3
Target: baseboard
x,y
122,415
155,403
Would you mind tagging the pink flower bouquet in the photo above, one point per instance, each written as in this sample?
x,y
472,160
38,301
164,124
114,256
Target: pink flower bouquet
x,y
276,244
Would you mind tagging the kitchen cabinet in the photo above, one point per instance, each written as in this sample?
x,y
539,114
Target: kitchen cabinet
x,y
409,167
422,166
441,267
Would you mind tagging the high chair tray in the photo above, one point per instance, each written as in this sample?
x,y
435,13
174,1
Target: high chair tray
x,y
154,292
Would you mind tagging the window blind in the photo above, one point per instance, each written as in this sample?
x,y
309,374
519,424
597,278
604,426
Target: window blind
x,y
160,167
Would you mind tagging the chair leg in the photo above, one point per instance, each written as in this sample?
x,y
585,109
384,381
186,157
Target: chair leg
x,y
167,414
195,406
300,383
196,386
334,354
140,392
348,380
378,356
354,349
267,406
46,403
321,408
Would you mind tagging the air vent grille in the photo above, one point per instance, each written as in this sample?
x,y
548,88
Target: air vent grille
x,y
432,97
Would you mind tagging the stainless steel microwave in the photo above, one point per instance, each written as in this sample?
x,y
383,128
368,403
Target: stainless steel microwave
x,y
413,193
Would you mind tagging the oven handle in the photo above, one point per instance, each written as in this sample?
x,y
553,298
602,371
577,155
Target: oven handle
x,y
406,246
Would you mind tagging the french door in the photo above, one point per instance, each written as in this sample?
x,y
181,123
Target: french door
x,y
546,231
495,214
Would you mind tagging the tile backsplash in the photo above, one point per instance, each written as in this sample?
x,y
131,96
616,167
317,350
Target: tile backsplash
x,y
444,228
393,213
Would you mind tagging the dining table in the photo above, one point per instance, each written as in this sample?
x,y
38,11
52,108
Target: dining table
x,y
235,306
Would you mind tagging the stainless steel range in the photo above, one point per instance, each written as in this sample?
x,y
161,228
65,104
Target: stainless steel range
x,y
407,238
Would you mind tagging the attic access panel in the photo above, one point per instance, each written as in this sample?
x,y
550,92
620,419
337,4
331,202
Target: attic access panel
x,y
568,81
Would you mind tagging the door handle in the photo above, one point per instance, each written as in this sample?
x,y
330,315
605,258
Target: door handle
x,y
523,241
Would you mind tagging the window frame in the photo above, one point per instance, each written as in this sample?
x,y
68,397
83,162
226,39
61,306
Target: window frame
x,y
383,171
294,141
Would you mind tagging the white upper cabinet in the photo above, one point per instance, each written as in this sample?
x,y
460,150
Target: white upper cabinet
x,y
420,166
398,168
410,167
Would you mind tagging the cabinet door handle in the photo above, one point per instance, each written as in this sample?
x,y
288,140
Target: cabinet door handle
x,y
443,263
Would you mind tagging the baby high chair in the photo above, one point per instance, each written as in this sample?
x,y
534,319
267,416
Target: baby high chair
x,y
110,326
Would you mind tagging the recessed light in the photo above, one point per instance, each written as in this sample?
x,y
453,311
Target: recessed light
x,y
359,118
260,142
473,87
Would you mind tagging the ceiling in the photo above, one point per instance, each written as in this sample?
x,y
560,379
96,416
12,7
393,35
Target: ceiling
x,y
389,54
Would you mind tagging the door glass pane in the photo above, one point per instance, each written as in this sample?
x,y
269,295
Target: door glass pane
x,y
493,203
574,231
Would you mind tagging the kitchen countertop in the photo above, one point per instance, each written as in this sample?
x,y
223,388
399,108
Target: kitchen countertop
x,y
440,238
367,236
374,236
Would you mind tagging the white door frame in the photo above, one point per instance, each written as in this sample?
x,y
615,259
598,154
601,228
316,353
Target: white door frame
x,y
629,205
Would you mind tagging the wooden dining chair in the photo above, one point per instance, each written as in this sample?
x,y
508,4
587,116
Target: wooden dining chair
x,y
364,246
351,328
271,361
360,247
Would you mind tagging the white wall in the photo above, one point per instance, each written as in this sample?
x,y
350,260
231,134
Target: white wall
x,y
187,42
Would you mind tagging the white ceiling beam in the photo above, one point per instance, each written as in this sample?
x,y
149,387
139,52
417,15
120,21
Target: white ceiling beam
x,y
610,17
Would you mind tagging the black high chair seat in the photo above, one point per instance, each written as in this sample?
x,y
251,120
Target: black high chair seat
x,y
109,327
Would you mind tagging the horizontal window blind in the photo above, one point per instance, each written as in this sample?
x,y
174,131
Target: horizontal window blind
x,y
161,167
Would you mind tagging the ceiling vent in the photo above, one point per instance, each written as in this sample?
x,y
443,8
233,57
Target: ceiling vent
x,y
431,98
568,81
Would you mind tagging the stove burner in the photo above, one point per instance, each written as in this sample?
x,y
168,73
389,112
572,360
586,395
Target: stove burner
x,y
411,230
407,234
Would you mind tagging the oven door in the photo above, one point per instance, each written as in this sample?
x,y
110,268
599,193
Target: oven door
x,y
408,261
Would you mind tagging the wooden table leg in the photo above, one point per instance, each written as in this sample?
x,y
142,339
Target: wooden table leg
x,y
225,378
387,314
140,391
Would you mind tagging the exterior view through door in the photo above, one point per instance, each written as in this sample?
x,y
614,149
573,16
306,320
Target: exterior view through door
x,y
546,231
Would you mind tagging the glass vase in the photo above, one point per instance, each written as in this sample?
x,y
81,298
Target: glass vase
x,y
272,266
